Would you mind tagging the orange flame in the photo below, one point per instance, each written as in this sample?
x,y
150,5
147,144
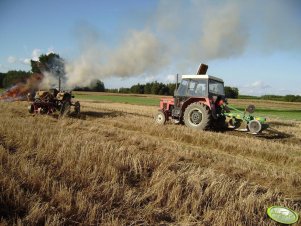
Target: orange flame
x,y
20,90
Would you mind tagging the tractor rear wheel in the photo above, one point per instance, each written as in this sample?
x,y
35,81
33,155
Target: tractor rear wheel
x,y
197,116
160,118
65,109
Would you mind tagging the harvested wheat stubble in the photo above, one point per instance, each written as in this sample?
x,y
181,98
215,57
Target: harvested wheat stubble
x,y
114,166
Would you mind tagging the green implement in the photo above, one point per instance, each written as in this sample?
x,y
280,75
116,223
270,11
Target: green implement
x,y
244,120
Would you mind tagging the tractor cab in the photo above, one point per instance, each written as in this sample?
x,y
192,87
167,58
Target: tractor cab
x,y
197,102
200,86
197,88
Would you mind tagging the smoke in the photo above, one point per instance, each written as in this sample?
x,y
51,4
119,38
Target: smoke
x,y
223,33
180,35
48,81
139,53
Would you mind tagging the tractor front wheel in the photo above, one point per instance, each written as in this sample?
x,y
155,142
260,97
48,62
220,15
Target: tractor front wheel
x,y
197,116
160,118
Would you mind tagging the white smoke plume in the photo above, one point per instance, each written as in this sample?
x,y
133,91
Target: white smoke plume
x,y
48,81
224,34
139,53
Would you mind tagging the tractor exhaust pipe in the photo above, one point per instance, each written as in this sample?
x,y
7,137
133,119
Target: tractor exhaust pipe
x,y
202,69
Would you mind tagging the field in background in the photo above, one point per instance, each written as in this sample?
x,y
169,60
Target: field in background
x,y
266,108
114,166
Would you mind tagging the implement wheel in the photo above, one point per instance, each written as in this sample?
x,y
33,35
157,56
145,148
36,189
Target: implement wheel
x,y
160,118
197,116
254,126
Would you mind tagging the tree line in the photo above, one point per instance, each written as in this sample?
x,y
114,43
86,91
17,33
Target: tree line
x,y
156,88
13,77
287,98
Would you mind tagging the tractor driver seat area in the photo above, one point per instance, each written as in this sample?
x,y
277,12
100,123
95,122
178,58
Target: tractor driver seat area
x,y
200,90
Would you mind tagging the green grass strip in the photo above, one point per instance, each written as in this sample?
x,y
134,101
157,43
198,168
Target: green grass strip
x,y
122,99
149,101
279,113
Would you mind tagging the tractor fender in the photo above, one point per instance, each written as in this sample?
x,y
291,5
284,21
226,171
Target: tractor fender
x,y
189,101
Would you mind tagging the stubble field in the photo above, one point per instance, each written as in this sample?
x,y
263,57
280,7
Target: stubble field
x,y
114,166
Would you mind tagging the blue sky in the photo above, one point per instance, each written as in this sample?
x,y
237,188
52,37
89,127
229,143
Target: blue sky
x,y
253,45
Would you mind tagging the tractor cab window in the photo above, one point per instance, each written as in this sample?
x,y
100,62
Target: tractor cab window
x,y
191,88
197,88
182,88
201,88
216,88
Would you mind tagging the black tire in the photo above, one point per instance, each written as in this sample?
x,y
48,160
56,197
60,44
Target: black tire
x,y
234,123
197,116
220,124
77,108
160,118
30,109
65,109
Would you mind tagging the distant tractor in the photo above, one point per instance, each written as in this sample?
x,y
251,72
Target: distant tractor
x,y
199,102
48,102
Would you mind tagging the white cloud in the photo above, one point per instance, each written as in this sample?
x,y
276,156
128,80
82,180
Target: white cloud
x,y
11,59
50,50
256,88
150,78
35,54
25,61
259,85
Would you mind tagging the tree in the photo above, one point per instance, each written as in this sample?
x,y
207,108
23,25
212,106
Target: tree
x,y
171,88
97,86
51,62
2,76
13,77
148,88
139,89
155,88
124,90
292,98
231,92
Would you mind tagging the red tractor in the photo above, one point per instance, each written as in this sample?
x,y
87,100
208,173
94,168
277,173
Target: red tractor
x,y
198,102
